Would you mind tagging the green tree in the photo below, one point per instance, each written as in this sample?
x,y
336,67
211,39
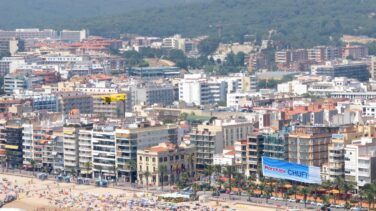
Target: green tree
x,y
208,46
304,191
33,164
100,169
115,171
132,166
162,171
229,172
88,165
146,174
208,171
183,180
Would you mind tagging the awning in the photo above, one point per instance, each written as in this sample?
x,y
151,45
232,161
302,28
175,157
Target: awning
x,y
174,196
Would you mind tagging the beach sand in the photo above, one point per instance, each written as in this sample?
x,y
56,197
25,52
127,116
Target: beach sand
x,y
50,195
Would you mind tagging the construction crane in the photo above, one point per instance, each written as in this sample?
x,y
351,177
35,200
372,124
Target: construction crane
x,y
108,99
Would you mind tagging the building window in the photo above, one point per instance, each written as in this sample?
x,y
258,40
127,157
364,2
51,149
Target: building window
x,y
165,159
171,158
160,160
177,157
140,157
182,157
147,158
153,159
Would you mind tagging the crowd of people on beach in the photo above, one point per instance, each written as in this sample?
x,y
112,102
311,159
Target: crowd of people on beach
x,y
65,196
8,191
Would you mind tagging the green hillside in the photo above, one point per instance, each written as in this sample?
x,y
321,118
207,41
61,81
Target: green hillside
x,y
299,22
52,13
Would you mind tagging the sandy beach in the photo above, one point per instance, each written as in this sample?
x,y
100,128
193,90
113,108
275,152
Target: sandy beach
x,y
34,194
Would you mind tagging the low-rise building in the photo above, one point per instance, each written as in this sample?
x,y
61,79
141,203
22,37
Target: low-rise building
x,y
226,158
167,160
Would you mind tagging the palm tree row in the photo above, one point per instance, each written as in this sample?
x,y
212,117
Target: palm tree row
x,y
335,190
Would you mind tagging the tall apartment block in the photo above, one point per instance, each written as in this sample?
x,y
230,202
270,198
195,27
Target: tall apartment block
x,y
308,145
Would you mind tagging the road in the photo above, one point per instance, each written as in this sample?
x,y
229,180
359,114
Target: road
x,y
224,196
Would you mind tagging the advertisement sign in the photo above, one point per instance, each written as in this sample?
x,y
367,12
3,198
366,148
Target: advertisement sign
x,y
291,171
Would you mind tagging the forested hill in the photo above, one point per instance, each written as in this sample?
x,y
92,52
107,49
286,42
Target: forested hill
x,y
52,13
301,22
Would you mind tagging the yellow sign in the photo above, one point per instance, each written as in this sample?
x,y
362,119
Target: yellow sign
x,y
114,98
11,147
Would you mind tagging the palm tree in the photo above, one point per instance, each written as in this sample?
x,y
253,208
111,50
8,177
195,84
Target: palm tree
x,y
217,169
346,187
195,188
268,190
162,171
280,186
338,184
115,170
313,188
287,194
88,166
132,165
191,162
250,189
229,171
294,189
304,191
73,173
177,171
33,163
208,171
262,185
147,175
100,169
324,198
369,192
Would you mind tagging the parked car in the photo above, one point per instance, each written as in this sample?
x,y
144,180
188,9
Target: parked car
x,y
292,200
216,194
340,206
358,209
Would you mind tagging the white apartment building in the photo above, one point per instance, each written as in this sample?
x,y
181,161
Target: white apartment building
x,y
360,161
295,87
103,145
369,108
178,42
337,84
85,151
199,90
73,36
109,149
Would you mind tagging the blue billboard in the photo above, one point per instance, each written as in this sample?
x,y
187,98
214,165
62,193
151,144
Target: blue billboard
x,y
291,171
